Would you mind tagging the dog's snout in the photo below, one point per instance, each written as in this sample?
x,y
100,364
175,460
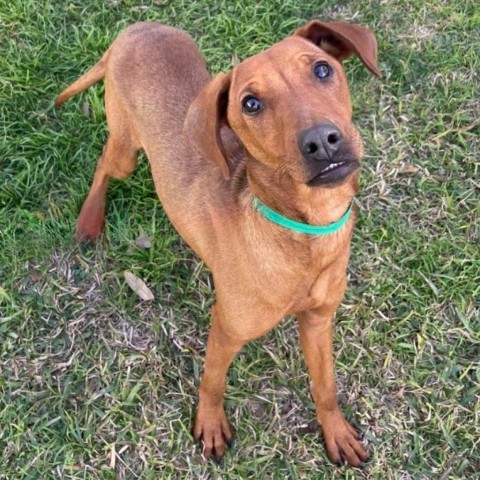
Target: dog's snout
x,y
320,142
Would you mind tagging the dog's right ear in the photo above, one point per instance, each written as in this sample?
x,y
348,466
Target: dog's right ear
x,y
206,115
342,39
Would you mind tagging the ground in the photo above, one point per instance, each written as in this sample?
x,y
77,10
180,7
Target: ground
x,y
98,384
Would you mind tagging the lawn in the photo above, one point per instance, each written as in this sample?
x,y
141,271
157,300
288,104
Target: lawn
x,y
97,384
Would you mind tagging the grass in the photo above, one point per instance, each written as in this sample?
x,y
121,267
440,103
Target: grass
x,y
95,384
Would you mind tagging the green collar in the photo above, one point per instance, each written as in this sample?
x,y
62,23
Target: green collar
x,y
300,227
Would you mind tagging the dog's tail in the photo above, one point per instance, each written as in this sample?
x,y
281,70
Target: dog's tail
x,y
92,76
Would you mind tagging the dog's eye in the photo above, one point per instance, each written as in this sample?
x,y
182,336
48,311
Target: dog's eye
x,y
322,70
251,105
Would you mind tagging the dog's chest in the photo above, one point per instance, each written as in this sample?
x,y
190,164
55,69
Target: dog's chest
x,y
301,276
319,283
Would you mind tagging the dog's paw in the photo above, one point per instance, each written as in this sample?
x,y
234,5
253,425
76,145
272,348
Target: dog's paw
x,y
83,235
213,431
90,223
343,442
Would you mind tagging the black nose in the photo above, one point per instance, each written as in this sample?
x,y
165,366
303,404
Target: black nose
x,y
320,142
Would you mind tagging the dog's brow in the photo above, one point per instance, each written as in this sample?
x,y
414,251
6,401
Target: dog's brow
x,y
253,86
309,57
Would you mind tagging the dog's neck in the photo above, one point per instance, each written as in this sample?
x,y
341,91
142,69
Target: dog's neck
x,y
297,201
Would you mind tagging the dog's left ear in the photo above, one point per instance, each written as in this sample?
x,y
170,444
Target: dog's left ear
x,y
341,40
205,117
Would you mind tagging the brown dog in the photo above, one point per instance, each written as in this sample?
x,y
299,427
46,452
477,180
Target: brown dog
x,y
277,129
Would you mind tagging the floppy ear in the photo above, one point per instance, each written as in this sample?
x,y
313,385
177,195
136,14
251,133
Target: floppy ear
x,y
341,40
206,115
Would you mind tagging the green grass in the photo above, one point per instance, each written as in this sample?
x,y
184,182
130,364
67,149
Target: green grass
x,y
95,384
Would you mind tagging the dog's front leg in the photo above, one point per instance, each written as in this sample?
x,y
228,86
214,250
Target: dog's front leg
x,y
211,424
342,441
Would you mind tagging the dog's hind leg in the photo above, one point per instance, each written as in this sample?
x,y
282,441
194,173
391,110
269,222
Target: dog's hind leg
x,y
118,160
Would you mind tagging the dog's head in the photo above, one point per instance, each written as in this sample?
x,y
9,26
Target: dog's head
x,y
289,105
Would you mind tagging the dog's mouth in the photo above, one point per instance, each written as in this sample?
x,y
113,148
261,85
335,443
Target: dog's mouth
x,y
333,173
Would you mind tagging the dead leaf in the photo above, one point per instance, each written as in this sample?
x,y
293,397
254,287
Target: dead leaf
x,y
409,169
143,241
35,274
86,108
235,60
138,286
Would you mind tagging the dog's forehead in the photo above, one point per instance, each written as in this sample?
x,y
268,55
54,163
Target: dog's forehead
x,y
277,57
